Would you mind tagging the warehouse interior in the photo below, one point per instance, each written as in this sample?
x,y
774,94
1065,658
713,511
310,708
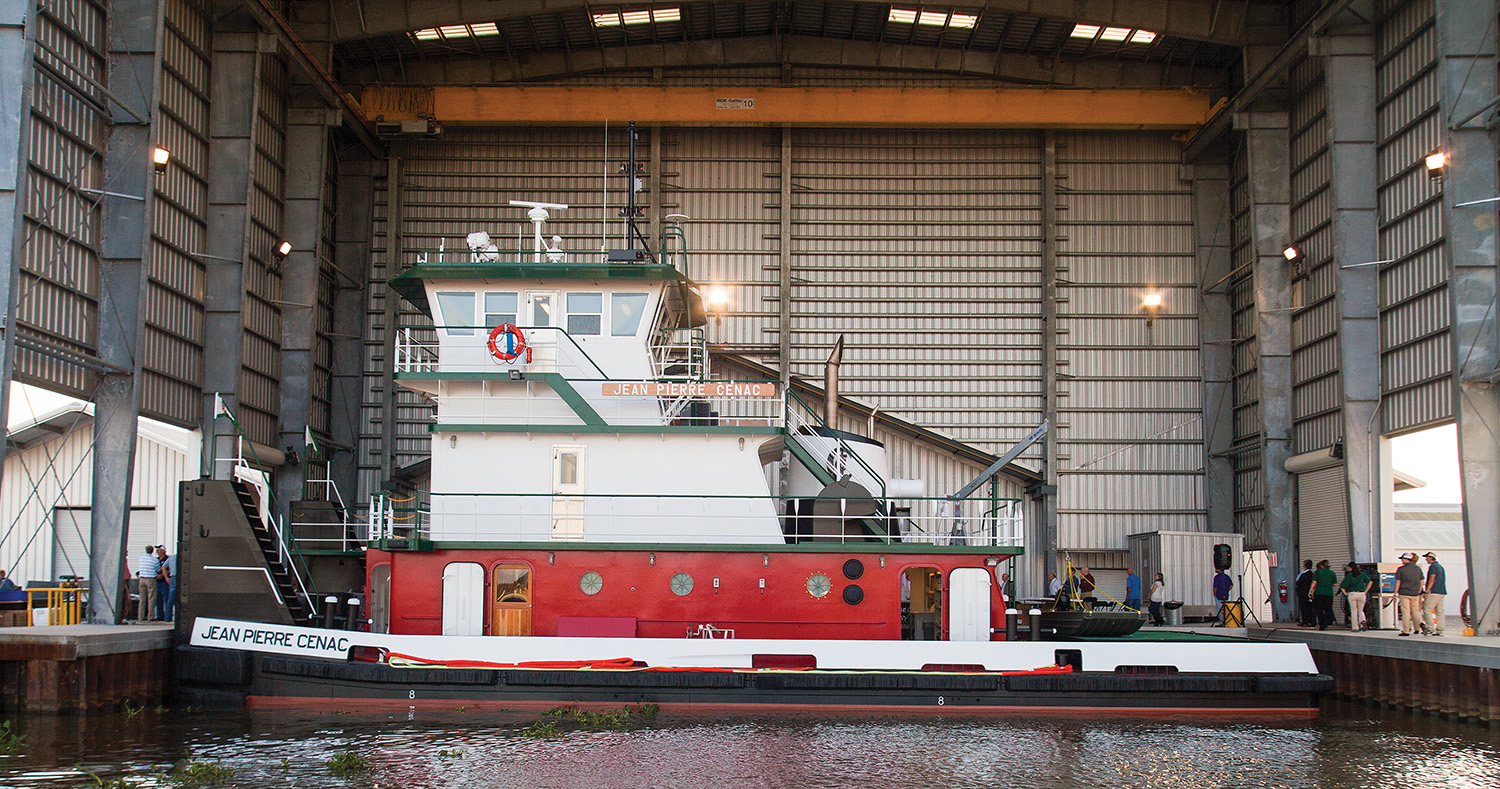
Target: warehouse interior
x,y
1225,249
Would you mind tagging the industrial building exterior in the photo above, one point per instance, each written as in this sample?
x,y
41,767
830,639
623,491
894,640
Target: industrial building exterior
x,y
1206,241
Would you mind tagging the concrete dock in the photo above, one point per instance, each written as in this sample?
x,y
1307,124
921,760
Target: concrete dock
x,y
1453,675
77,669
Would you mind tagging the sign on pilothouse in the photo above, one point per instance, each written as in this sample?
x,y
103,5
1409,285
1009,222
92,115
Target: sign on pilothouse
x,y
704,389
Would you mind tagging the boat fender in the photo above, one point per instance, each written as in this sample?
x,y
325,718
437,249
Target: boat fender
x,y
512,346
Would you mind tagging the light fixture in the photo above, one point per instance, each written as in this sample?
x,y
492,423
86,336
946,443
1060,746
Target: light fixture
x,y
1292,254
1435,162
1151,303
718,296
283,249
160,157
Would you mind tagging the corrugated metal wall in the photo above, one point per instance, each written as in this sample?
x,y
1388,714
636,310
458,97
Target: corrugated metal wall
x,y
57,292
1249,430
259,389
1130,442
923,248
55,473
1416,349
1317,387
173,353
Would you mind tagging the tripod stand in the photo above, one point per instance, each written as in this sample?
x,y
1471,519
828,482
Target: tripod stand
x,y
1239,581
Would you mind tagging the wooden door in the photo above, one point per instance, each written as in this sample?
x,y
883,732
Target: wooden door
x,y
511,613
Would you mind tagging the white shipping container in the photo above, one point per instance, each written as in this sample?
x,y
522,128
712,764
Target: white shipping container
x,y
1186,562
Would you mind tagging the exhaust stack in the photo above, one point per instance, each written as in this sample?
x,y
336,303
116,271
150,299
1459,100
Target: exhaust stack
x,y
831,384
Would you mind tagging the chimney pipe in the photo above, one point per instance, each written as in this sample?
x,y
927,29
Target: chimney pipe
x,y
831,384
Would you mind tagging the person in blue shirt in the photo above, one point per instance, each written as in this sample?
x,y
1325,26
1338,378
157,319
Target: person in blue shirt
x,y
1222,585
1435,588
7,585
1132,590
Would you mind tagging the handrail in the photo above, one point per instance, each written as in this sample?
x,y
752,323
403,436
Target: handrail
x,y
434,328
64,604
796,423
269,517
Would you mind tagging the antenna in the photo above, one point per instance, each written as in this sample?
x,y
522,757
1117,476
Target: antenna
x,y
538,215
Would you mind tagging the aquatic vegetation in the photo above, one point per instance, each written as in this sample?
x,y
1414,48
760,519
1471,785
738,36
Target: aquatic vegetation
x,y
540,729
348,763
606,720
10,741
444,753
106,783
131,709
200,774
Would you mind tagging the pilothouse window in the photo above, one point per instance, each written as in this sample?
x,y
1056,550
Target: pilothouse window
x,y
585,313
457,309
500,309
625,311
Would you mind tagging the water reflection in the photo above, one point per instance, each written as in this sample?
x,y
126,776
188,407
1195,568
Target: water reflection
x,y
1349,746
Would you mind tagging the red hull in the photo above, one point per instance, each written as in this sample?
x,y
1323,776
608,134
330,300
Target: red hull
x,y
636,585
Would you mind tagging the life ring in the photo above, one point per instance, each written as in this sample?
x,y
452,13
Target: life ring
x,y
511,347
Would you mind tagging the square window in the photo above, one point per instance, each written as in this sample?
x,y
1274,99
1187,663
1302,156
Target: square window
x,y
457,309
499,309
625,311
585,313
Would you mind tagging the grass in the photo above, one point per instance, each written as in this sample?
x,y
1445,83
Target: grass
x,y
10,741
348,763
200,774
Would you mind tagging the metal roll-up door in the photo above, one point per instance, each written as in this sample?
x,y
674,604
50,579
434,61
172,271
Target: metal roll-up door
x,y
1322,507
71,539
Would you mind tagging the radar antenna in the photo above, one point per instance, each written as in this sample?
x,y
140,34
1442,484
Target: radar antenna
x,y
538,215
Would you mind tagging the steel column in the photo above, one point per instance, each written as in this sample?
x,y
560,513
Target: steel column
x,y
353,233
1212,228
17,39
1047,529
1266,145
392,306
306,167
1349,71
1466,50
133,39
233,95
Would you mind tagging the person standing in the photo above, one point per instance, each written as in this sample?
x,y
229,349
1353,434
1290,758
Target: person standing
x,y
1054,585
1008,590
1304,594
1354,588
164,583
1087,586
1436,589
1158,596
1222,585
1409,594
1132,590
146,570
1323,584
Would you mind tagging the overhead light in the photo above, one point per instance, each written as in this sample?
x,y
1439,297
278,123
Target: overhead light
x,y
283,249
450,32
618,18
160,157
1435,162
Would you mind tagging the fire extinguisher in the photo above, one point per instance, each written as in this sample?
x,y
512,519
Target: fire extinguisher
x,y
1281,589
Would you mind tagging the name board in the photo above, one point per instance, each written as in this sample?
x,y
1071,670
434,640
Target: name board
x,y
704,389
278,639
734,104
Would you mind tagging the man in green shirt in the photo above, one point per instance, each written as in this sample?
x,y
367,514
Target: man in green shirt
x,y
1324,582
1354,587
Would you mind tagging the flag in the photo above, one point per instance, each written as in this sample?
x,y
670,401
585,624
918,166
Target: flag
x,y
219,408
310,442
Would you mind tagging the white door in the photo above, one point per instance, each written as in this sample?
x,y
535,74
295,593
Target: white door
x,y
567,493
71,539
463,599
541,310
969,604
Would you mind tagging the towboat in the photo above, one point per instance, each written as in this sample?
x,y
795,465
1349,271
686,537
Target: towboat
x,y
610,518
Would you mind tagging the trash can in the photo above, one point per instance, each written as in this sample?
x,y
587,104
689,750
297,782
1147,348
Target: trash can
x,y
1174,613
1232,613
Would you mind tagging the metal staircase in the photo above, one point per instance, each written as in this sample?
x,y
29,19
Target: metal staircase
x,y
809,439
253,492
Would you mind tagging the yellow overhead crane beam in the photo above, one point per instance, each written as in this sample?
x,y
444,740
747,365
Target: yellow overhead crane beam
x,y
1016,108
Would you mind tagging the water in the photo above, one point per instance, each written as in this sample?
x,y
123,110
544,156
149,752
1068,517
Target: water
x,y
1349,745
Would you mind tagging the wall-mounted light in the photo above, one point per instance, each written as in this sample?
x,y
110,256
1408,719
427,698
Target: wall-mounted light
x,y
1151,303
1435,162
1293,257
283,249
718,301
160,157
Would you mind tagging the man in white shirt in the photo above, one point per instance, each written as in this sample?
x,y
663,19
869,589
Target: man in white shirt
x,y
146,570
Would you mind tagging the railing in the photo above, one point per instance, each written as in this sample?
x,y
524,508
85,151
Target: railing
x,y
817,437
414,355
643,518
626,403
259,483
680,355
419,349
674,248
64,605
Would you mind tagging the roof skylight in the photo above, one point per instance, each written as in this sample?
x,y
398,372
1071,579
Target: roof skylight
x,y
637,17
1125,34
449,32
1084,31
907,16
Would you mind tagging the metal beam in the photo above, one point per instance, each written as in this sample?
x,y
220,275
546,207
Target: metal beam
x,y
1266,145
1047,531
1289,53
797,52
1217,21
1350,76
1466,48
132,43
17,44
1213,238
354,227
1028,108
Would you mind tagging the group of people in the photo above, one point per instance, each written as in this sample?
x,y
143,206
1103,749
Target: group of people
x,y
156,572
1419,596
1081,586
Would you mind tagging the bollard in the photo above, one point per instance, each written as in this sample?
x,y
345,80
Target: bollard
x,y
1012,619
351,620
330,609
1036,623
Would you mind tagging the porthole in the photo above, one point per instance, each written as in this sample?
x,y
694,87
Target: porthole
x,y
681,584
853,594
590,582
854,568
818,585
